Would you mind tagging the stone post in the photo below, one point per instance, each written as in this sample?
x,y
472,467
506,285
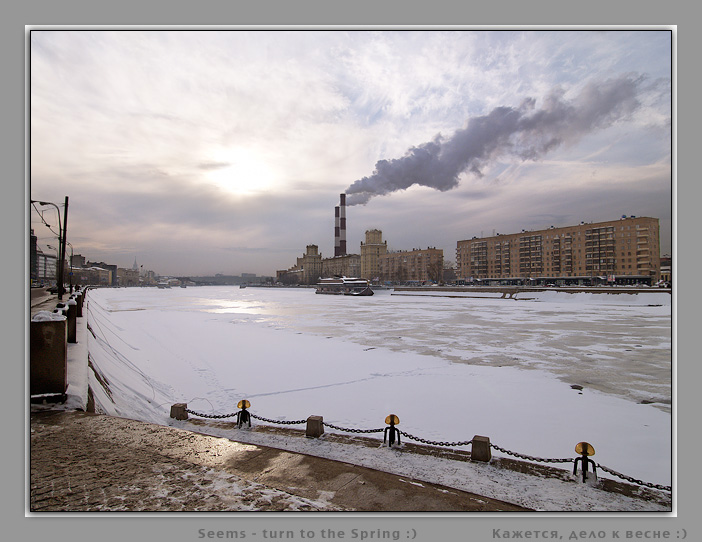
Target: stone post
x,y
79,302
48,356
315,427
480,449
71,320
178,411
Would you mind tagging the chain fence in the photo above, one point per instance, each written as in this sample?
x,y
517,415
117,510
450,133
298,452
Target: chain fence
x,y
532,458
438,443
210,416
325,424
634,480
291,422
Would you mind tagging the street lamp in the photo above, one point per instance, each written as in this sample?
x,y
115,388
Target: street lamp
x,y
62,239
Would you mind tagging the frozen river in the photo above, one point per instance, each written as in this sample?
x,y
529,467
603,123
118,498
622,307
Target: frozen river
x,y
450,368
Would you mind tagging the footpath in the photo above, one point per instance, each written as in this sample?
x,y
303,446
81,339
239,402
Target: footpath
x,y
82,461
90,462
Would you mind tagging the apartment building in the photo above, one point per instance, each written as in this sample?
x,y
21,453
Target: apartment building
x,y
307,270
371,251
347,265
419,265
624,251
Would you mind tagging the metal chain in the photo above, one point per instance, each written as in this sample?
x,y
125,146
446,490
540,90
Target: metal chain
x,y
214,416
439,443
412,437
531,458
634,480
353,430
277,421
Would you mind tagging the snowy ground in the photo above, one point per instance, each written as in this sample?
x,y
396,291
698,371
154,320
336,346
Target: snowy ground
x,y
449,368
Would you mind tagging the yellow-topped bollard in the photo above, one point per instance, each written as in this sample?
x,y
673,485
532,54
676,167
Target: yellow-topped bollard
x,y
243,415
392,420
391,432
585,449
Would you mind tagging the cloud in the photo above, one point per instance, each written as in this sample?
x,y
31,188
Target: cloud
x,y
525,132
203,141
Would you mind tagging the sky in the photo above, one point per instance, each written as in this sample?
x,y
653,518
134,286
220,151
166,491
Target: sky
x,y
196,152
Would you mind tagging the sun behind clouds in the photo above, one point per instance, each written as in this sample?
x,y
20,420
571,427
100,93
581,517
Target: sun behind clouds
x,y
240,171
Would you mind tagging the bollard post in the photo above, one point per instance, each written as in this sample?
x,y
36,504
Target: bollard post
x,y
391,431
178,411
480,449
71,314
48,374
79,303
585,449
243,416
315,427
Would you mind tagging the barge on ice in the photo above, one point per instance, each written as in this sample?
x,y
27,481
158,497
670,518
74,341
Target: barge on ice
x,y
344,286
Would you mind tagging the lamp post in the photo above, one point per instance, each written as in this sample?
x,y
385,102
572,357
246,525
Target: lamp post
x,y
62,240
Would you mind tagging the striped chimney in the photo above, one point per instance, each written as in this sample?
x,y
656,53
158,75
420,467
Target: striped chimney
x,y
342,225
337,235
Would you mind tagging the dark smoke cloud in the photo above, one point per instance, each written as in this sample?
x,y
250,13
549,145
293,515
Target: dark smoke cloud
x,y
524,132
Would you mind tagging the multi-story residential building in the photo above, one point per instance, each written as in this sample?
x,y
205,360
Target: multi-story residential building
x,y
93,275
371,251
624,251
419,265
127,277
46,269
347,265
107,267
307,270
310,264
77,260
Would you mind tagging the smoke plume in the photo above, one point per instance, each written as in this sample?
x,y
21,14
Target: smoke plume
x,y
524,132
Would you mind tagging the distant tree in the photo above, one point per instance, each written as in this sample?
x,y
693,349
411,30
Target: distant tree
x,y
401,273
435,270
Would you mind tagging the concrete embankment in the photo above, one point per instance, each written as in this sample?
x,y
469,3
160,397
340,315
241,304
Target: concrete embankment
x,y
616,295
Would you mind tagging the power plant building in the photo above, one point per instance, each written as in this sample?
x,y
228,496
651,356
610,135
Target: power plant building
x,y
623,251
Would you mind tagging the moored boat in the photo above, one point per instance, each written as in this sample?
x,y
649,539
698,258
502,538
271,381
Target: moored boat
x,y
344,286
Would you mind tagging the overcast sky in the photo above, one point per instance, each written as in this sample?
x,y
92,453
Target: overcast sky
x,y
203,152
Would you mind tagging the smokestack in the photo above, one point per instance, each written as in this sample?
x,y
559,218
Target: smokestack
x,y
337,234
342,225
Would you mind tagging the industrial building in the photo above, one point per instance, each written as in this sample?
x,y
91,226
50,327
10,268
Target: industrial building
x,y
623,251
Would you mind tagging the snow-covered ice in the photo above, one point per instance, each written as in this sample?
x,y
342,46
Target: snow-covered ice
x,y
449,368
